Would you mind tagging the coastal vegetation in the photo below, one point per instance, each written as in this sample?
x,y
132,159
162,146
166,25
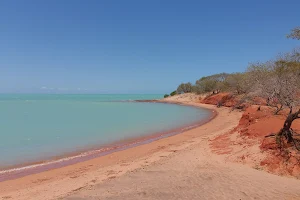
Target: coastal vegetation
x,y
171,94
276,82
295,34
184,88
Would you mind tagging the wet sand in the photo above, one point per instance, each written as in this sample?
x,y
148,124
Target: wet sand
x,y
177,167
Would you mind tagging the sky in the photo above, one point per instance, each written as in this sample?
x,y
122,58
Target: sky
x,y
134,46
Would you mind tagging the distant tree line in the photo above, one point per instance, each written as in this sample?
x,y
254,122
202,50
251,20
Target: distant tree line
x,y
223,82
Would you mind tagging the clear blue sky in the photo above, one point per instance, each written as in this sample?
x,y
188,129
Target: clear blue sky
x,y
107,46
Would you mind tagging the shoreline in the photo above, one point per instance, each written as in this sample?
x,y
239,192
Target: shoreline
x,y
28,169
186,164
58,183
183,166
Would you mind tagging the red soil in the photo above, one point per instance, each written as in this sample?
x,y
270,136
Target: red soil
x,y
253,127
227,99
230,100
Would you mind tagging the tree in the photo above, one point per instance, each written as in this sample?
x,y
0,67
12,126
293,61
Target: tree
x,y
213,83
166,95
239,83
279,81
295,34
184,88
205,85
267,84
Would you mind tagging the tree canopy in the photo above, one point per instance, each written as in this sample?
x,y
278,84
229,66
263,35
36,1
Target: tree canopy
x,y
184,88
295,34
278,81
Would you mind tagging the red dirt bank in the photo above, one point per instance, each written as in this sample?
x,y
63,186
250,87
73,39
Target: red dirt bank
x,y
250,134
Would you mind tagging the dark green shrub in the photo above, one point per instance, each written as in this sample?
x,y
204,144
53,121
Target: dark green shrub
x,y
173,93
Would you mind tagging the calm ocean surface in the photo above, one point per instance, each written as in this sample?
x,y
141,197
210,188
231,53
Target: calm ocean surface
x,y
41,127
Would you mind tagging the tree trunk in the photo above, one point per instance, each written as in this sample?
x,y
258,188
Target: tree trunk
x,y
258,109
278,109
286,130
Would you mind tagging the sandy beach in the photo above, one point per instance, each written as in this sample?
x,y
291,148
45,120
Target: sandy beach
x,y
150,100
182,166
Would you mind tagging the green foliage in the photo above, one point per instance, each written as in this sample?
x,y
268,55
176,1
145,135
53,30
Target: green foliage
x,y
184,88
173,93
206,85
239,83
263,79
166,95
214,83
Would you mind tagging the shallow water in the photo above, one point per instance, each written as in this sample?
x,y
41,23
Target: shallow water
x,y
41,127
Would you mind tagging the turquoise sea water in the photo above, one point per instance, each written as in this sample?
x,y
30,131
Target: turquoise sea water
x,y
41,127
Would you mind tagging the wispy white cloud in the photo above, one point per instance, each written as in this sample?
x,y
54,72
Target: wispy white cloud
x,y
63,89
